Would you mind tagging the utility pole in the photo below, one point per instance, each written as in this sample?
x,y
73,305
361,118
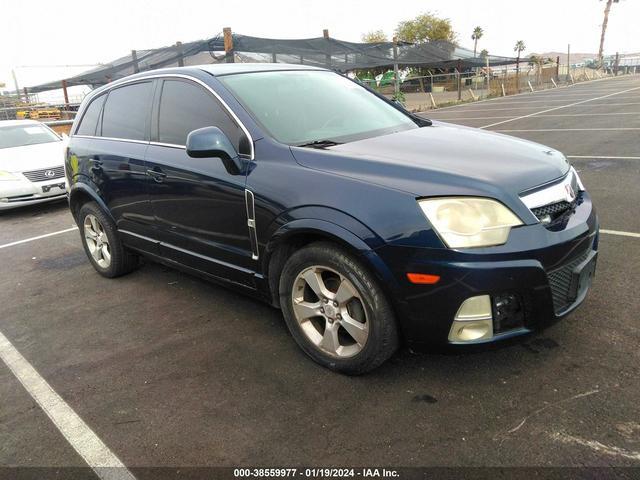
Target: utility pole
x,y
15,83
396,73
459,70
568,63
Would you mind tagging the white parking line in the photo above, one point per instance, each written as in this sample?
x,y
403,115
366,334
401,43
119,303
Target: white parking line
x,y
545,116
622,234
26,240
562,106
92,450
605,157
441,110
566,129
558,100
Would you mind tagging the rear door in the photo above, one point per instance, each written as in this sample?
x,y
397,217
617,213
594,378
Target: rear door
x,y
114,154
198,203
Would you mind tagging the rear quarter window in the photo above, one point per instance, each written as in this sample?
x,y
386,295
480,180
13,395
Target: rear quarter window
x,y
89,123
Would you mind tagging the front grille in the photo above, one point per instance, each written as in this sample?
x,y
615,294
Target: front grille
x,y
552,210
553,215
560,283
45,174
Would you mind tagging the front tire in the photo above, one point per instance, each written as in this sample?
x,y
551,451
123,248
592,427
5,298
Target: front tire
x,y
336,311
102,243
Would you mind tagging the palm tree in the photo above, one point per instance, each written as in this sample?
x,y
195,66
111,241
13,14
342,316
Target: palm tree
x,y
607,8
520,47
477,35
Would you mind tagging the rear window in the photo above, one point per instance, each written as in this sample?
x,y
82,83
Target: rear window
x,y
23,135
89,122
126,112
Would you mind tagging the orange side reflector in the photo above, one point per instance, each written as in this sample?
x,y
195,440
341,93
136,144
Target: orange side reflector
x,y
423,278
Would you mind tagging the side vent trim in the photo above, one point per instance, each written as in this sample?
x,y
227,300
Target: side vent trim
x,y
251,222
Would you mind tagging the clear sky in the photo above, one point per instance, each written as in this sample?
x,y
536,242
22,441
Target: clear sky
x,y
71,32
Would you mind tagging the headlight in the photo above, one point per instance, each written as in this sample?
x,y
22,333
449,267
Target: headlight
x,y
464,222
578,181
7,176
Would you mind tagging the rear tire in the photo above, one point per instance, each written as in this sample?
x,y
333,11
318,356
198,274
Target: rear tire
x,y
336,311
102,243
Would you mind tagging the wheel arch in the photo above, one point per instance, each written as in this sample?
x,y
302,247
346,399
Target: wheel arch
x,y
81,193
298,233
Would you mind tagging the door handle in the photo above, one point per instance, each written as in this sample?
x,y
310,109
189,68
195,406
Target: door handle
x,y
157,175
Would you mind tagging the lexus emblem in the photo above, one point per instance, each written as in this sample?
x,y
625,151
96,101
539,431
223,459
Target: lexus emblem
x,y
570,193
49,173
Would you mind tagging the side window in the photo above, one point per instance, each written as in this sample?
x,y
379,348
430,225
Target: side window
x,y
126,112
89,121
185,107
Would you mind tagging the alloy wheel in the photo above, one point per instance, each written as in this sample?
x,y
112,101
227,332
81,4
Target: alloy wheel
x,y
97,241
330,311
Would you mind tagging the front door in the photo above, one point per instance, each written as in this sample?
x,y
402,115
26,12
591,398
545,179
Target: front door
x,y
198,203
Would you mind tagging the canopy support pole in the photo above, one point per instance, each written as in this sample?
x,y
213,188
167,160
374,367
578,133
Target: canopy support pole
x,y
228,44
180,58
66,94
327,57
134,61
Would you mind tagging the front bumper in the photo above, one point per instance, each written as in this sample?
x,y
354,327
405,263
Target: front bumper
x,y
538,267
22,192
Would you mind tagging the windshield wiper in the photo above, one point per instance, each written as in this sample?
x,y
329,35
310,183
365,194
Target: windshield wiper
x,y
319,144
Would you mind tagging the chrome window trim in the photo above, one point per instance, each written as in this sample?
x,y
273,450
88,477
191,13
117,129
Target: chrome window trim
x,y
189,252
170,145
130,140
557,192
120,83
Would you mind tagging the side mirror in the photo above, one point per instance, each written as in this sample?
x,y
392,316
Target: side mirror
x,y
210,142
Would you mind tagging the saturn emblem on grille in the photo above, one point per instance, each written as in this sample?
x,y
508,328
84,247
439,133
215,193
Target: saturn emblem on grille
x,y
570,193
49,173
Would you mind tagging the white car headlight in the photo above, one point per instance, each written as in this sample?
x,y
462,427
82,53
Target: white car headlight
x,y
464,222
7,176
578,181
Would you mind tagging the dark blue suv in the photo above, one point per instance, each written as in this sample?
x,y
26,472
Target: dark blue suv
x,y
365,224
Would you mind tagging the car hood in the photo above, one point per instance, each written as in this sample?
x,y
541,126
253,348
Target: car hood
x,y
443,159
32,157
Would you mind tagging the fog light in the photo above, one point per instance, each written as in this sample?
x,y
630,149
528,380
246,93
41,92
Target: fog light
x,y
473,321
471,331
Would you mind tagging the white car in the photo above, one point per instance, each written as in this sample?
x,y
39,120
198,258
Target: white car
x,y
31,164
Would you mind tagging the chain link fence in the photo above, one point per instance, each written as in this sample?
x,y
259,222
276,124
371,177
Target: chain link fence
x,y
424,92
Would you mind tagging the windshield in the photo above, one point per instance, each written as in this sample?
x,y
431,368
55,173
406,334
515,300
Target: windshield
x,y
22,135
299,107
